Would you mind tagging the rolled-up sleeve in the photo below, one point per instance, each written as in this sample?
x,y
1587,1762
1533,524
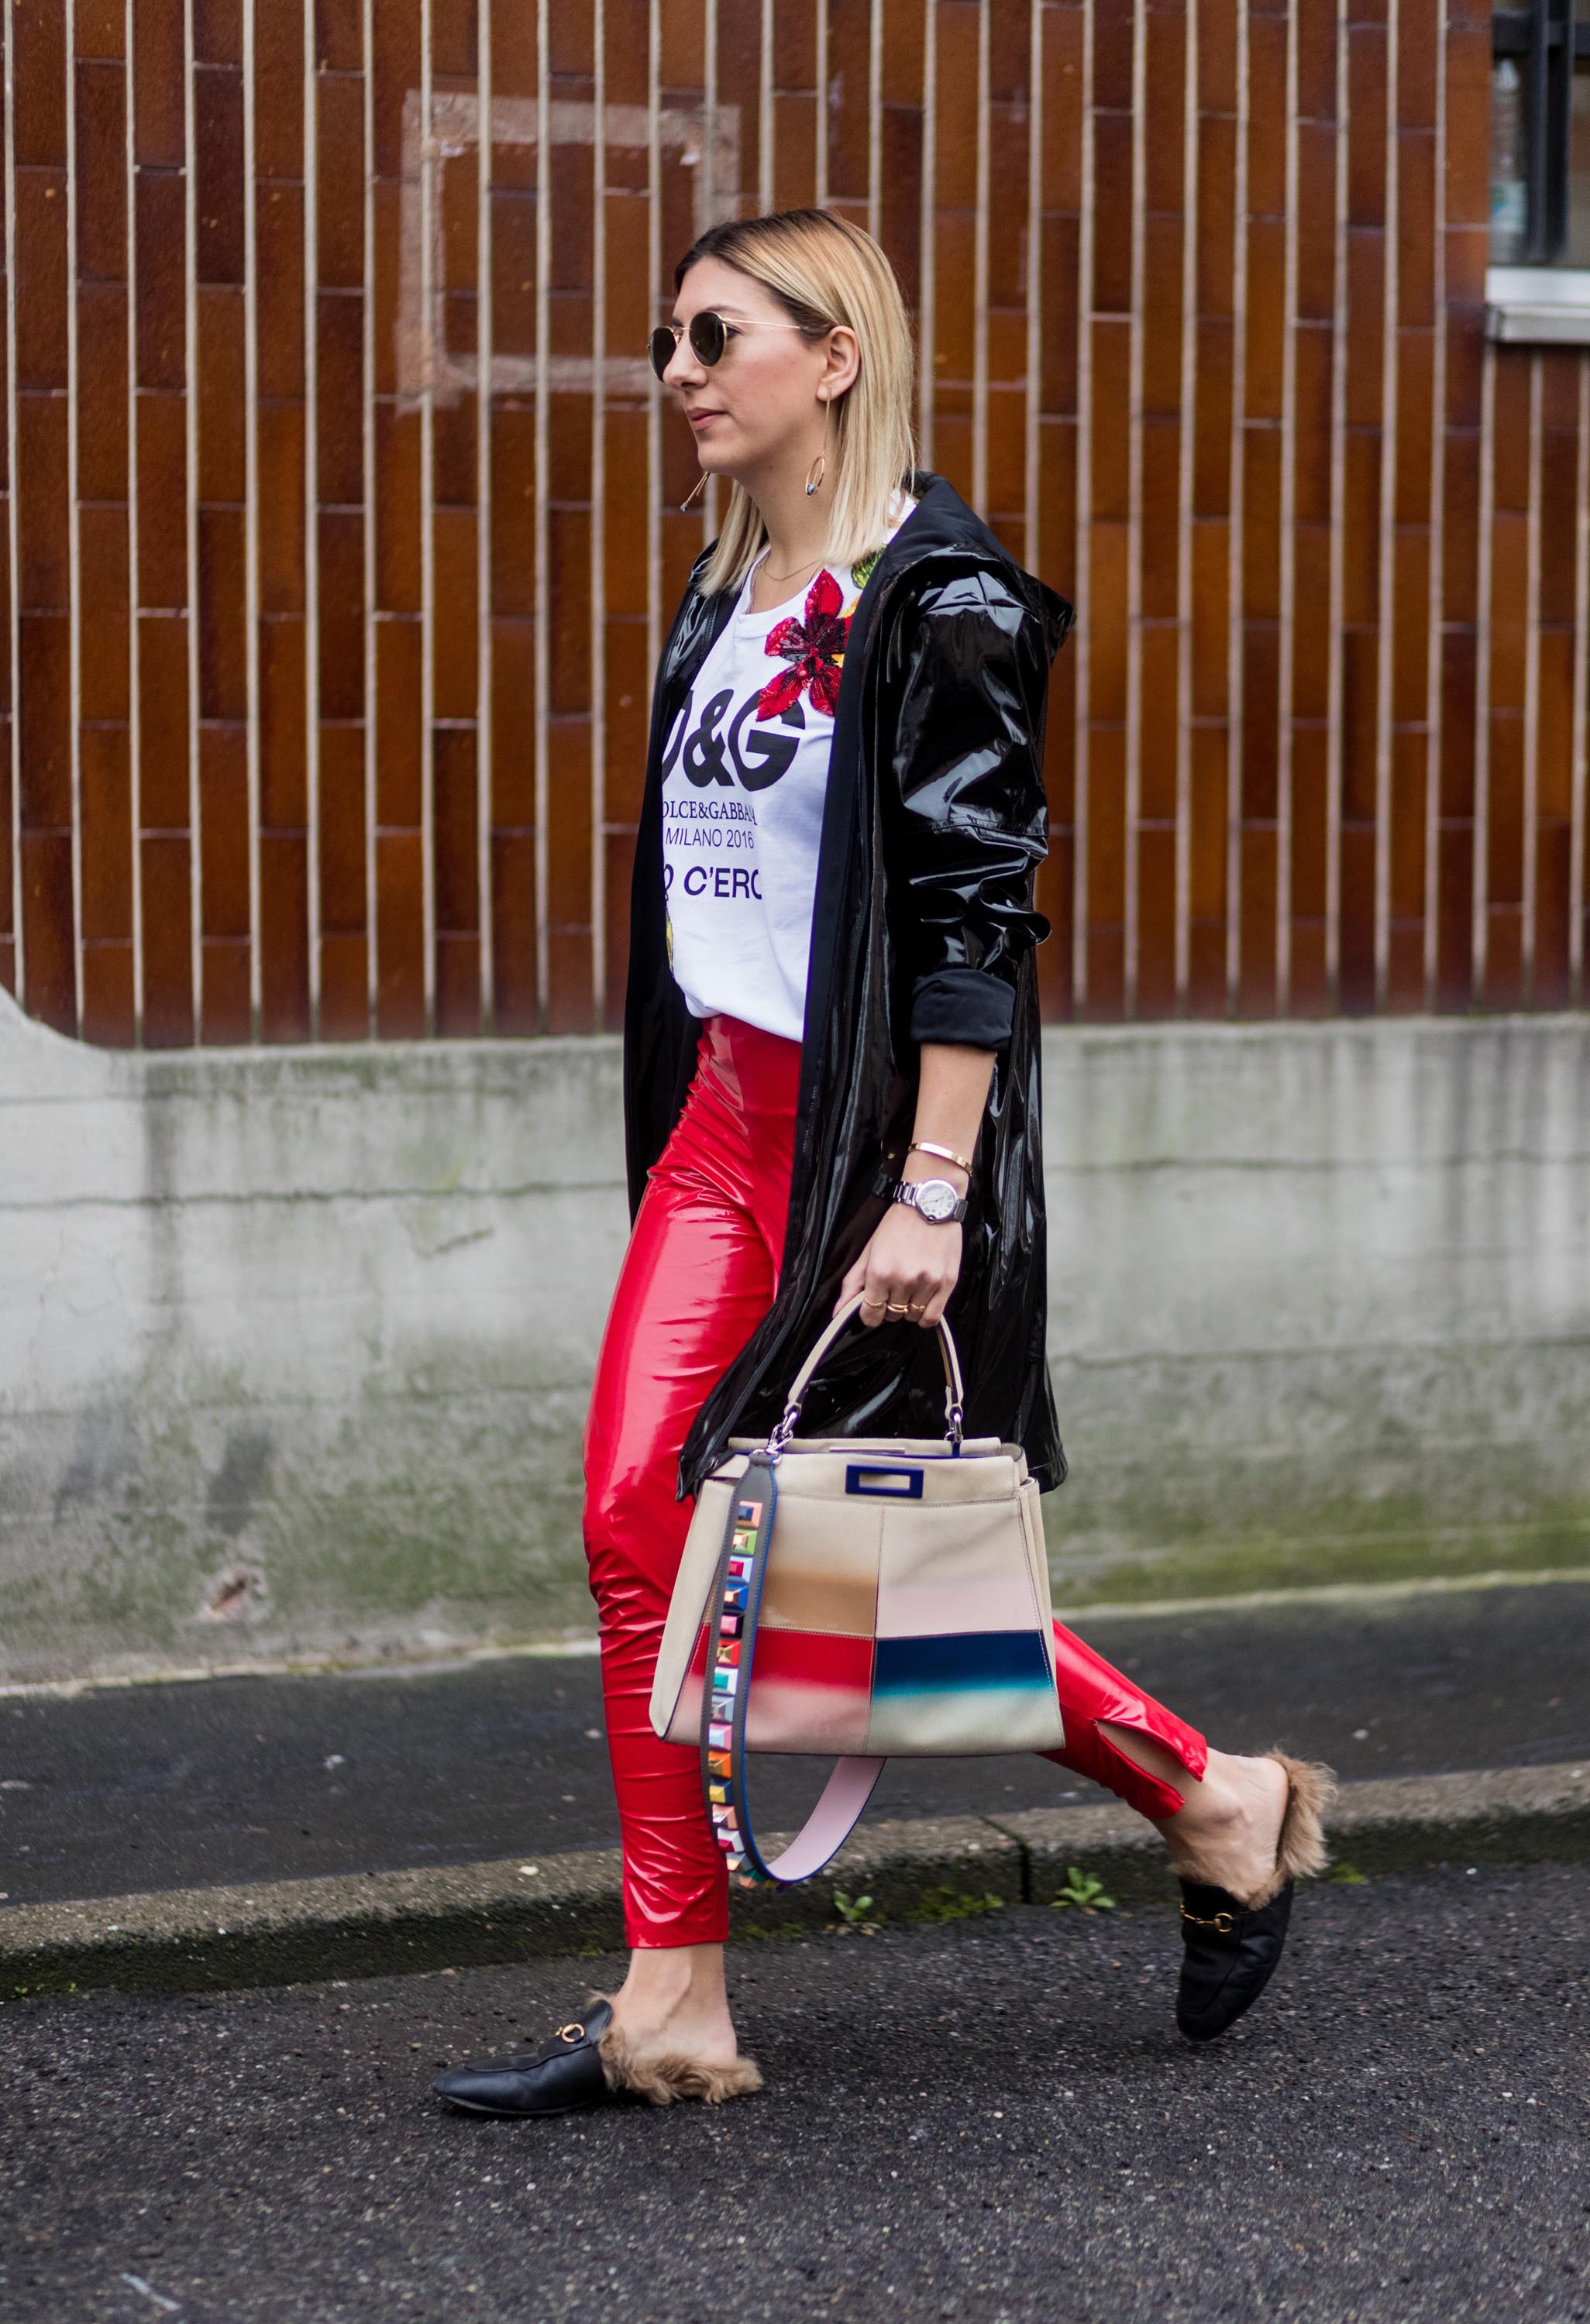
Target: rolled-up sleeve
x,y
965,820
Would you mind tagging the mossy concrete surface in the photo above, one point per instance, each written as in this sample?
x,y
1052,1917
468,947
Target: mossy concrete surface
x,y
298,1342
932,1869
1320,1303
299,1348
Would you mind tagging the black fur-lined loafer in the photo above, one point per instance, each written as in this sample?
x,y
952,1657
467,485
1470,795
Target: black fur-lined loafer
x,y
590,2063
563,2075
1231,1946
1230,1954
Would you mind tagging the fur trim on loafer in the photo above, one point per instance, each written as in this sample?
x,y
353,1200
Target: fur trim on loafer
x,y
1300,1851
674,2076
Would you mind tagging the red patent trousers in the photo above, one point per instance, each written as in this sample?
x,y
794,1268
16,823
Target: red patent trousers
x,y
700,1272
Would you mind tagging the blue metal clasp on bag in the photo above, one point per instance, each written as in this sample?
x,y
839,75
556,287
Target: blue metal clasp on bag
x,y
878,1483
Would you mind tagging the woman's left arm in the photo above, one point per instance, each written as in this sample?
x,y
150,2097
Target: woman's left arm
x,y
966,824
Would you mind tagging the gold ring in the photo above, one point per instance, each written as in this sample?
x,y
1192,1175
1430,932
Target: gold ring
x,y
871,1303
916,1307
904,1309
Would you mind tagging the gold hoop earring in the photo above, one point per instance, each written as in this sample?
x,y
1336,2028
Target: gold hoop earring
x,y
820,466
694,492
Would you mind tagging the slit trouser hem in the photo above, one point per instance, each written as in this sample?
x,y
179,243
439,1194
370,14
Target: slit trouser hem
x,y
1093,1695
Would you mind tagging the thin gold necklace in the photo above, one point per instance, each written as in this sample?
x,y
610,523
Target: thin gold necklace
x,y
792,573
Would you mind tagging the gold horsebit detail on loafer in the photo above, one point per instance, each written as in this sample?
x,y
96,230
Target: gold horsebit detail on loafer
x,y
1224,1922
572,2032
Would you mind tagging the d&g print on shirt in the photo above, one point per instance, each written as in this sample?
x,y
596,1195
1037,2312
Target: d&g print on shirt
x,y
715,755
713,752
744,773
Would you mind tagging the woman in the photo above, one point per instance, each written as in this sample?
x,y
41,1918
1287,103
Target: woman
x,y
831,1002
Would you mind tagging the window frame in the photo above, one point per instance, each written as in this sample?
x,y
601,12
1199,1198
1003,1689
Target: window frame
x,y
1548,38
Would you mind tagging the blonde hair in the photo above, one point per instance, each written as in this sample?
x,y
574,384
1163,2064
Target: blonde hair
x,y
825,271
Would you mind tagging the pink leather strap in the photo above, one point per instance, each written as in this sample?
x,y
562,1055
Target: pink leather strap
x,y
831,1821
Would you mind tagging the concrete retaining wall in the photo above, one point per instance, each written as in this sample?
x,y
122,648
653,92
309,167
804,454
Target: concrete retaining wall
x,y
294,1343
1320,1300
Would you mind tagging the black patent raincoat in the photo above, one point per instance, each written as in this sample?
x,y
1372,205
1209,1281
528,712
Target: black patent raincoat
x,y
934,822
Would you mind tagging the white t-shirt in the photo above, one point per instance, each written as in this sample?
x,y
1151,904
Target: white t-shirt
x,y
743,775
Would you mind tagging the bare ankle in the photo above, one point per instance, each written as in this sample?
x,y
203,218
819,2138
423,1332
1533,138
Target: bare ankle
x,y
1218,1798
1227,1832
674,1998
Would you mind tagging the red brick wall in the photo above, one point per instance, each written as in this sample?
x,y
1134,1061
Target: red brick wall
x,y
329,707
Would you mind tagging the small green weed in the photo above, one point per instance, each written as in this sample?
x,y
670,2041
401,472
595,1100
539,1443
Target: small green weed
x,y
954,1904
855,1912
1083,1892
1347,1875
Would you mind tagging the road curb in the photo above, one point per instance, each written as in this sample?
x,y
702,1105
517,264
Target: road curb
x,y
1510,1815
386,1924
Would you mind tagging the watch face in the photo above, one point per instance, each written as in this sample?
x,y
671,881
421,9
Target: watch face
x,y
937,1198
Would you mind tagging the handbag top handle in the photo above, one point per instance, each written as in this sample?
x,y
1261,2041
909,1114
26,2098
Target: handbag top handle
x,y
954,1395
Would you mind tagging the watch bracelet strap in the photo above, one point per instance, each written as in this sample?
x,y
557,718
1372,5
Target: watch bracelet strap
x,y
888,1179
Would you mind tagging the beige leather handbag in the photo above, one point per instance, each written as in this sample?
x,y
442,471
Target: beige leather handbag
x,y
857,1596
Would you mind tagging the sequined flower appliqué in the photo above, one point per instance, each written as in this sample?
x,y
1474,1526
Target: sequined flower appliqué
x,y
814,650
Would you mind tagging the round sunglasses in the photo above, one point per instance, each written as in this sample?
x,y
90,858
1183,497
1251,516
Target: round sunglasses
x,y
709,335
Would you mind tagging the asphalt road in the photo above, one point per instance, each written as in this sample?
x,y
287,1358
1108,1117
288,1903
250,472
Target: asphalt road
x,y
173,1786
993,2120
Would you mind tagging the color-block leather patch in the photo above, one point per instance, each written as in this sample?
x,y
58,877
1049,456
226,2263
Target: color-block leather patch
x,y
822,1575
968,1659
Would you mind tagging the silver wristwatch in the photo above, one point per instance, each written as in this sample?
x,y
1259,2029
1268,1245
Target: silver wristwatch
x,y
933,1198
